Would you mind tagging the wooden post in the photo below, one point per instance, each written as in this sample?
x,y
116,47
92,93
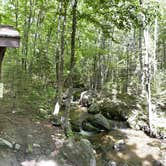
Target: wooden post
x,y
9,37
2,53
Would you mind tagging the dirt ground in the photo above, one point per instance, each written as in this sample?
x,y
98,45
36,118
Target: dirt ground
x,y
36,137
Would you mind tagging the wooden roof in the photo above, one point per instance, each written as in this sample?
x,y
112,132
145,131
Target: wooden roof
x,y
9,37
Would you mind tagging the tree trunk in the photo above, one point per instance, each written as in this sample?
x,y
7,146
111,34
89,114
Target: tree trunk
x,y
156,78
60,56
147,71
57,58
27,26
141,60
164,53
72,65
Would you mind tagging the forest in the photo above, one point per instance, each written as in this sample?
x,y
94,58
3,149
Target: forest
x,y
85,85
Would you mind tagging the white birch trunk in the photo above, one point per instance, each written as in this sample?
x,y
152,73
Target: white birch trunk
x,y
156,78
147,71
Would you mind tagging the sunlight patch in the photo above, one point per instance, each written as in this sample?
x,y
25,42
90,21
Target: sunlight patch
x,y
47,163
40,163
1,90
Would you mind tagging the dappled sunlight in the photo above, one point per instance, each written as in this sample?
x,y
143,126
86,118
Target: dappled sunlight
x,y
139,150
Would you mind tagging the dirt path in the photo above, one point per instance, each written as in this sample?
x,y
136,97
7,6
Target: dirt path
x,y
36,137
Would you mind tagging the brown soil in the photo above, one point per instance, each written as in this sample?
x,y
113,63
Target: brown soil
x,y
36,136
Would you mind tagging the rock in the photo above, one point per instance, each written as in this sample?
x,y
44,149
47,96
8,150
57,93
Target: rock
x,y
75,125
89,127
78,153
36,145
163,146
17,146
114,110
146,129
99,121
8,157
10,161
6,143
119,145
158,163
77,117
87,98
94,108
111,163
56,122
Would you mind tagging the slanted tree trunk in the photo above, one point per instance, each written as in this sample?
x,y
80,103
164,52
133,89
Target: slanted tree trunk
x,y
60,55
72,66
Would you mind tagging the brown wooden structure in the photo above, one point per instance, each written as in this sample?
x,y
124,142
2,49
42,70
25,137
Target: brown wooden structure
x,y
9,37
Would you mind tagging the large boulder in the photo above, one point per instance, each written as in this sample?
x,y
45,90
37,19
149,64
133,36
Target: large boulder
x,y
8,157
76,125
87,126
9,161
99,121
114,110
78,153
77,117
94,108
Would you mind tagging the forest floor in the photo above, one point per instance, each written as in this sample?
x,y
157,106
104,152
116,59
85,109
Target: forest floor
x,y
38,137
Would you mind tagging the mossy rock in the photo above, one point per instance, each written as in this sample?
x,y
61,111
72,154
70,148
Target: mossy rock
x,y
75,125
94,108
89,127
78,153
99,121
114,110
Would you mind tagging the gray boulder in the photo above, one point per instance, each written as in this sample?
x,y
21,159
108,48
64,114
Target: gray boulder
x,y
99,121
89,127
78,153
94,108
119,145
114,110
